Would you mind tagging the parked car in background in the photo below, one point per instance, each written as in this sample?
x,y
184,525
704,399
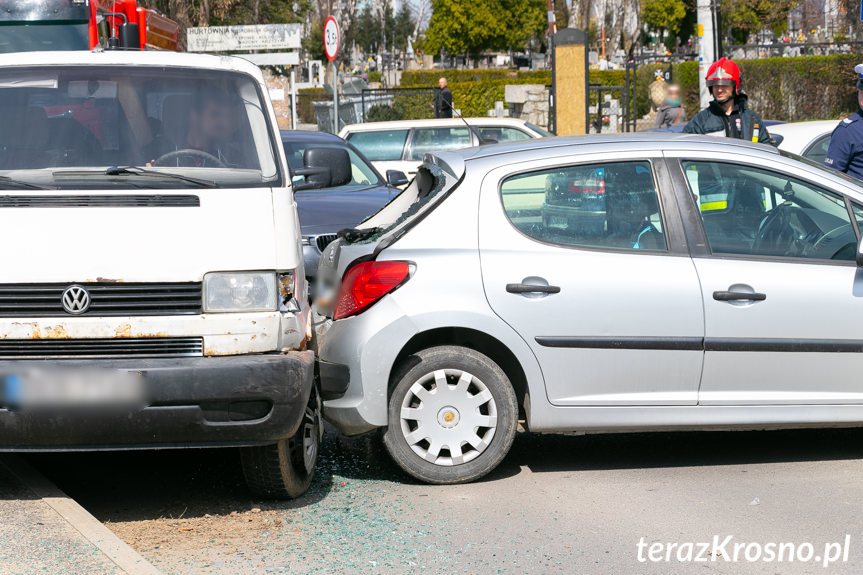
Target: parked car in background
x,y
163,303
466,307
807,139
326,210
401,145
678,129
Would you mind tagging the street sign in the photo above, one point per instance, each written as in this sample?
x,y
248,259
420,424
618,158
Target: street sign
x,y
255,37
331,38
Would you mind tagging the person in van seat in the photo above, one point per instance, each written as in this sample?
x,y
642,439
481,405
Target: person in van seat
x,y
206,123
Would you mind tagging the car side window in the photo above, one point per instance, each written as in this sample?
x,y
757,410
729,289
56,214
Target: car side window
x,y
502,134
751,211
430,140
818,150
610,205
380,145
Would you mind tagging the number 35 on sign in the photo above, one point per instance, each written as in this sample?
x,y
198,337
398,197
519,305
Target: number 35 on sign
x,y
331,38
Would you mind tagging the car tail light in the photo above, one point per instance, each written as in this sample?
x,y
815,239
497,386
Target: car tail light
x,y
366,283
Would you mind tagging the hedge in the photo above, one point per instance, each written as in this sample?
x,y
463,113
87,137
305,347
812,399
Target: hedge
x,y
305,108
475,92
785,89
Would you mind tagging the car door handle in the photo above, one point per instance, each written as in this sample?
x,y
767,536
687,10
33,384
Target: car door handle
x,y
529,288
738,296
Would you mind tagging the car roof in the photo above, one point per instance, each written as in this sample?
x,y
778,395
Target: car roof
x,y
455,161
815,127
306,136
130,58
644,140
433,123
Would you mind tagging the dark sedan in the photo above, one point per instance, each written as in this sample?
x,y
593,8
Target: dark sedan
x,y
326,210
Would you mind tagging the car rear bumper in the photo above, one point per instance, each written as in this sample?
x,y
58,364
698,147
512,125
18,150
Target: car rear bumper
x,y
191,402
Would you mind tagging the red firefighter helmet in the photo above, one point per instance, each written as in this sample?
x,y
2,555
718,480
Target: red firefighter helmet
x,y
723,72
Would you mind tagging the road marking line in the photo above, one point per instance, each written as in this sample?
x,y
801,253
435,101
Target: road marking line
x,y
117,550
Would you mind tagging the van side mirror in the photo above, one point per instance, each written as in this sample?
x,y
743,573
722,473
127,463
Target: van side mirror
x,y
324,168
860,253
396,178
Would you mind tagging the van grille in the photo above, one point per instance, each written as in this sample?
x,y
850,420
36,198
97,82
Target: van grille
x,y
324,240
101,201
101,348
106,299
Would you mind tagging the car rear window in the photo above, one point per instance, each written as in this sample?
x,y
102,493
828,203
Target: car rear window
x,y
502,134
431,140
380,145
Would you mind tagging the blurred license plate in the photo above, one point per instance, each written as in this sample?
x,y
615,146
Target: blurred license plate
x,y
38,389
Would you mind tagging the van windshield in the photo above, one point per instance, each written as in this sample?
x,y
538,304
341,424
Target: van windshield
x,y
72,127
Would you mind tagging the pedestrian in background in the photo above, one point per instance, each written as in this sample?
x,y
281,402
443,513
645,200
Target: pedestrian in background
x,y
727,114
442,100
845,153
671,112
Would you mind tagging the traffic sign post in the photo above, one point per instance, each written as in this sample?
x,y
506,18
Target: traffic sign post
x,y
332,38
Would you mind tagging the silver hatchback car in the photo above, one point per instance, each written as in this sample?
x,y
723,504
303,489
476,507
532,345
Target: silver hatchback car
x,y
595,284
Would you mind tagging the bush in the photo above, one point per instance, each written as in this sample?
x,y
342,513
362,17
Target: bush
x,y
305,109
382,113
785,89
429,78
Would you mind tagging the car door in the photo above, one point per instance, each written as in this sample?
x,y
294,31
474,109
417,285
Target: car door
x,y
585,260
783,299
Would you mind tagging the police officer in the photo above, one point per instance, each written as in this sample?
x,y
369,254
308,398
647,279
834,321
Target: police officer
x,y
727,114
845,153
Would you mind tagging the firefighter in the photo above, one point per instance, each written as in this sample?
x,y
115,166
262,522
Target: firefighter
x,y
845,153
727,114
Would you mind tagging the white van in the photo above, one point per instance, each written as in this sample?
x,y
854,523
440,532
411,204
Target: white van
x,y
152,291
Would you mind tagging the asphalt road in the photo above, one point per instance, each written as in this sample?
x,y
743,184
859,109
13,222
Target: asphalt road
x,y
558,504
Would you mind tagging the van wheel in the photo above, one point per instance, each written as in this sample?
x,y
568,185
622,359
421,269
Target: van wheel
x,y
452,415
284,470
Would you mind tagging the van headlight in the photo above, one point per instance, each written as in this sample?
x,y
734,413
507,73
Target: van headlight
x,y
240,291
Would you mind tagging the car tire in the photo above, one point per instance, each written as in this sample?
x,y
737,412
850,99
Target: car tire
x,y
452,436
284,470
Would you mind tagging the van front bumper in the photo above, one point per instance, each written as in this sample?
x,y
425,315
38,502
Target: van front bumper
x,y
191,402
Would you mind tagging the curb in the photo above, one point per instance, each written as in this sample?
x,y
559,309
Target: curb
x,y
117,550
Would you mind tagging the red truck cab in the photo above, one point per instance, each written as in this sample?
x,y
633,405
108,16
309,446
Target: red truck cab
x,y
50,25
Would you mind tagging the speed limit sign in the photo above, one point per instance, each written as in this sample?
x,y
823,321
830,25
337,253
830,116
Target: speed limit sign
x,y
331,38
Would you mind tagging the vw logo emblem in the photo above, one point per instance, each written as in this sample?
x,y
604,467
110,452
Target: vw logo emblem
x,y
76,300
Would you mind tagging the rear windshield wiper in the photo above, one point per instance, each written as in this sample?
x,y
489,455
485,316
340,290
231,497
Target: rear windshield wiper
x,y
16,183
136,171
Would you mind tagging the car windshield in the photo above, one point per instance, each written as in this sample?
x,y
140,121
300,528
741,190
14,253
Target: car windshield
x,y
363,175
49,36
71,127
27,26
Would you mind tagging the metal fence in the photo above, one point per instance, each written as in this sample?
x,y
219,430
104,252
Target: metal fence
x,y
382,104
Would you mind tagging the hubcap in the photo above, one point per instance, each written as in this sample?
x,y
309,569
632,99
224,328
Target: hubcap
x,y
310,438
448,417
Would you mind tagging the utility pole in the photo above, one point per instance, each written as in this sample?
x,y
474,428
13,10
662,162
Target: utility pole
x,y
706,46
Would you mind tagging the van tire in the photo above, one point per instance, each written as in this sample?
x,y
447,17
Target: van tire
x,y
284,470
462,405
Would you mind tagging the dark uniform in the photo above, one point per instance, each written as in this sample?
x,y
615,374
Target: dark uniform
x,y
845,153
742,123
443,103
